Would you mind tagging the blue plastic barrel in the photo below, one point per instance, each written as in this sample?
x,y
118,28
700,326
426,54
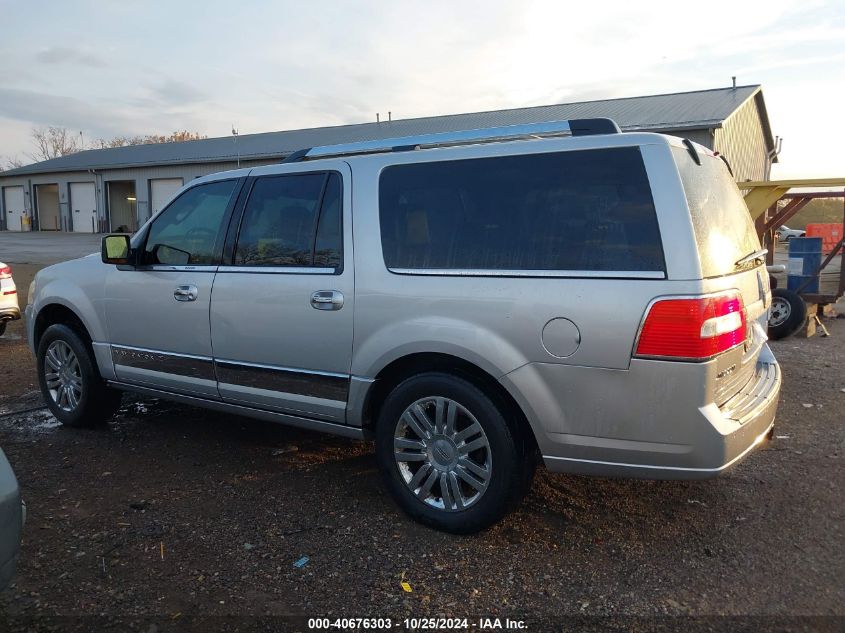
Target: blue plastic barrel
x,y
805,257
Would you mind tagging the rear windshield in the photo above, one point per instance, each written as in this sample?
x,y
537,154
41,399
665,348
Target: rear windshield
x,y
723,228
589,210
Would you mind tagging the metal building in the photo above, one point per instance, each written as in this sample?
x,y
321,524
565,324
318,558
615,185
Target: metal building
x,y
118,189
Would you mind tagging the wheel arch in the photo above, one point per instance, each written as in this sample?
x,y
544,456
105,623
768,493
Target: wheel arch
x,y
95,402
58,313
404,367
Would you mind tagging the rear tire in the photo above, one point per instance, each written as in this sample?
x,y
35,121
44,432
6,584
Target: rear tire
x,y
2,328
448,456
787,313
70,382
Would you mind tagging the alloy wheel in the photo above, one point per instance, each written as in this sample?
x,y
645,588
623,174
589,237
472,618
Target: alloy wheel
x,y
442,453
63,375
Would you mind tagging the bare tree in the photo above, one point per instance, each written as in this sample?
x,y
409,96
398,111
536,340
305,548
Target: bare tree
x,y
52,142
122,141
12,163
117,141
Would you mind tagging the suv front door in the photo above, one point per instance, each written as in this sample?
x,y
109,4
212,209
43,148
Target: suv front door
x,y
157,314
281,311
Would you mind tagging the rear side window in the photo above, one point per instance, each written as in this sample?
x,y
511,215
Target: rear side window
x,y
588,210
723,228
292,220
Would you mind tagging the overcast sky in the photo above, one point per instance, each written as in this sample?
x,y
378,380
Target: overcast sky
x,y
109,68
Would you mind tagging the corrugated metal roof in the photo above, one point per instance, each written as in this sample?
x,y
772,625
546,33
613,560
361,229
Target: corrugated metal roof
x,y
699,109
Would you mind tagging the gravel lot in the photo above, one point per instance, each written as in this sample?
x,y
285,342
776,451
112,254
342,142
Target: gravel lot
x,y
172,517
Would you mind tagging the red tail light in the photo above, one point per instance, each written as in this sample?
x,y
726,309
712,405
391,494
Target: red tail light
x,y
694,328
5,272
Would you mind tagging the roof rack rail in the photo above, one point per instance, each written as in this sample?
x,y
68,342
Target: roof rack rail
x,y
572,127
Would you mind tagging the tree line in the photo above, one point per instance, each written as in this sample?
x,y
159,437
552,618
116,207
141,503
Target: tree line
x,y
52,142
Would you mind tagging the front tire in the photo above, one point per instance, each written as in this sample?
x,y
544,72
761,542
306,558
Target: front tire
x,y
448,456
70,382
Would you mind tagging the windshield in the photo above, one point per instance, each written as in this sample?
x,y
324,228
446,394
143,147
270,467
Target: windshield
x,y
723,228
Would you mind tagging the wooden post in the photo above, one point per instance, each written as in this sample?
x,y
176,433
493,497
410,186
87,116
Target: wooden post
x,y
808,328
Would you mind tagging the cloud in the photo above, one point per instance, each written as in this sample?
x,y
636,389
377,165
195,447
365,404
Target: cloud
x,y
301,65
179,93
98,118
162,97
42,108
66,55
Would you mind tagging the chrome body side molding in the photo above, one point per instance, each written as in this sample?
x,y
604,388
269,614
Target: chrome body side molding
x,y
303,382
235,409
154,360
315,384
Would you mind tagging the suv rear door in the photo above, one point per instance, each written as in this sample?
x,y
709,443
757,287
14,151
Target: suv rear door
x,y
724,235
282,307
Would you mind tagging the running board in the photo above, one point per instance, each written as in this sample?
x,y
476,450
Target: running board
x,y
249,412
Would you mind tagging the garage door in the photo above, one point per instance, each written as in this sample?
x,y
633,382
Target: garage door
x,y
13,203
161,191
83,205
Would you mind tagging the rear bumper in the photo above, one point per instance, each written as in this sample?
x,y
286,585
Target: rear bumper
x,y
12,313
643,422
734,449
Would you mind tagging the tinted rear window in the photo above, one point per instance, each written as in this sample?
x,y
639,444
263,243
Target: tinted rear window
x,y
589,210
723,228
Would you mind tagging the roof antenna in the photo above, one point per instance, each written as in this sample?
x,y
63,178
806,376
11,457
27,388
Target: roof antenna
x,y
378,119
235,140
733,79
389,115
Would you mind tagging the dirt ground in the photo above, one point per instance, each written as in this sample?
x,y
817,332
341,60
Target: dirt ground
x,y
173,518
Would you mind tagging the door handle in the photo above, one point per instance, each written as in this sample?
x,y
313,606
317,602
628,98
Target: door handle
x,y
327,300
185,293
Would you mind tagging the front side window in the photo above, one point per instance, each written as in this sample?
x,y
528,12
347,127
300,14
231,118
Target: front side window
x,y
292,220
587,210
189,232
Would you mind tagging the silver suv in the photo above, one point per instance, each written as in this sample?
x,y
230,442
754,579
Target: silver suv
x,y
472,300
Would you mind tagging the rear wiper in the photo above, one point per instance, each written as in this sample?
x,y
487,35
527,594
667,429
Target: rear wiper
x,y
751,257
